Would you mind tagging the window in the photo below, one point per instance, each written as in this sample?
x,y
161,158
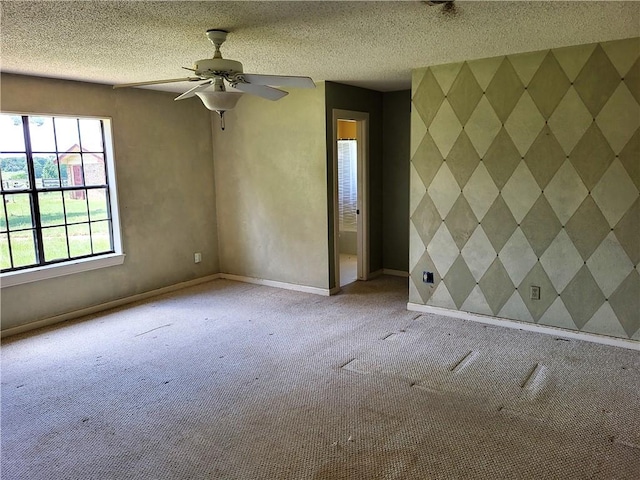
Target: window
x,y
348,184
59,207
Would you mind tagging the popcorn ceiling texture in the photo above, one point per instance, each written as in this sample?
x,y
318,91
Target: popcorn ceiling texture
x,y
525,172
367,44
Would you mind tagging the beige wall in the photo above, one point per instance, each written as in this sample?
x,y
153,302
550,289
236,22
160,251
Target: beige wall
x,y
270,165
164,166
524,172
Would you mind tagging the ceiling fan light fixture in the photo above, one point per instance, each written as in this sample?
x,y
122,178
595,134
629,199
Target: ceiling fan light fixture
x,y
219,101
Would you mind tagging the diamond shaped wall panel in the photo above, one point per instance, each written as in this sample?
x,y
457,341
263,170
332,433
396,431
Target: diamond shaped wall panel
x,y
445,128
619,118
465,94
549,85
428,98
545,156
524,123
570,120
499,223
592,156
609,265
504,90
540,226
587,227
427,159
565,192
496,286
463,159
561,261
597,81
483,126
502,158
533,162
480,191
615,193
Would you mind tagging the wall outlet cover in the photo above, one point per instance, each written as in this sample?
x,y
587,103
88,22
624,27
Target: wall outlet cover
x,y
535,292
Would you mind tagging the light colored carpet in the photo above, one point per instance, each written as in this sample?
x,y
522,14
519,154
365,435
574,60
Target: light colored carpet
x,y
235,381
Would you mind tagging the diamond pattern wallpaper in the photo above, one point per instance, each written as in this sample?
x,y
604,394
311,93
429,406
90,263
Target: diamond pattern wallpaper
x,y
525,171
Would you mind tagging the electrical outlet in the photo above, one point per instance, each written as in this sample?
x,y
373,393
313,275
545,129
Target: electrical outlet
x,y
535,292
427,277
197,257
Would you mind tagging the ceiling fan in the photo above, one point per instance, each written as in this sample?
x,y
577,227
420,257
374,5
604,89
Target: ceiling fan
x,y
215,72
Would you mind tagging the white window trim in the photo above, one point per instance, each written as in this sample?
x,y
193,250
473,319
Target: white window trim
x,y
35,274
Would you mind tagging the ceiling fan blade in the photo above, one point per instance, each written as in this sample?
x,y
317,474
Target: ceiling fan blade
x,y
260,90
279,80
191,92
157,82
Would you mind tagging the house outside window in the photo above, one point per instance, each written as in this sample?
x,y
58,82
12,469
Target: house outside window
x,y
59,210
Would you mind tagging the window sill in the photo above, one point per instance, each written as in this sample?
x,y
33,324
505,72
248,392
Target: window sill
x,y
11,279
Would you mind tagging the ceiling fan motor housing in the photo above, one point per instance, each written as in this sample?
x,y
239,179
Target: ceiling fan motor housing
x,y
210,66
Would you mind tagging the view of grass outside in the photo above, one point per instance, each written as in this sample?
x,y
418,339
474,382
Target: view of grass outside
x,y
92,210
64,152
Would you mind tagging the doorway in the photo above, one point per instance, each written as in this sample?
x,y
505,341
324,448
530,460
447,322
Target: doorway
x,y
350,196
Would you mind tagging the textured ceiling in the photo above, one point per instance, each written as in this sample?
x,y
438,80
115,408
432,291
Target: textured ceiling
x,y
369,44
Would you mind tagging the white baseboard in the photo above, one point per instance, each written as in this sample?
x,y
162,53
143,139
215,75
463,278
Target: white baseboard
x,y
273,283
104,306
395,273
531,327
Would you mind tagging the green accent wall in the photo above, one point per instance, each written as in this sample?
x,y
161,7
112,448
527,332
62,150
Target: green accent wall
x,y
396,117
525,172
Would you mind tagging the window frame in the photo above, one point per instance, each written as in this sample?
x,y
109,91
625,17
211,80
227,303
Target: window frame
x,y
76,265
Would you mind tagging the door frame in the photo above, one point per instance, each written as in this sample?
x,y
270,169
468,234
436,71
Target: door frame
x,y
362,138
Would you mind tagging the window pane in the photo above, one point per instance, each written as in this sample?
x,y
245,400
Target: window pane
x,y
71,169
94,172
100,237
75,203
91,135
67,134
3,218
19,211
46,170
5,260
51,208
23,248
55,243
15,175
11,133
79,240
98,204
41,132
